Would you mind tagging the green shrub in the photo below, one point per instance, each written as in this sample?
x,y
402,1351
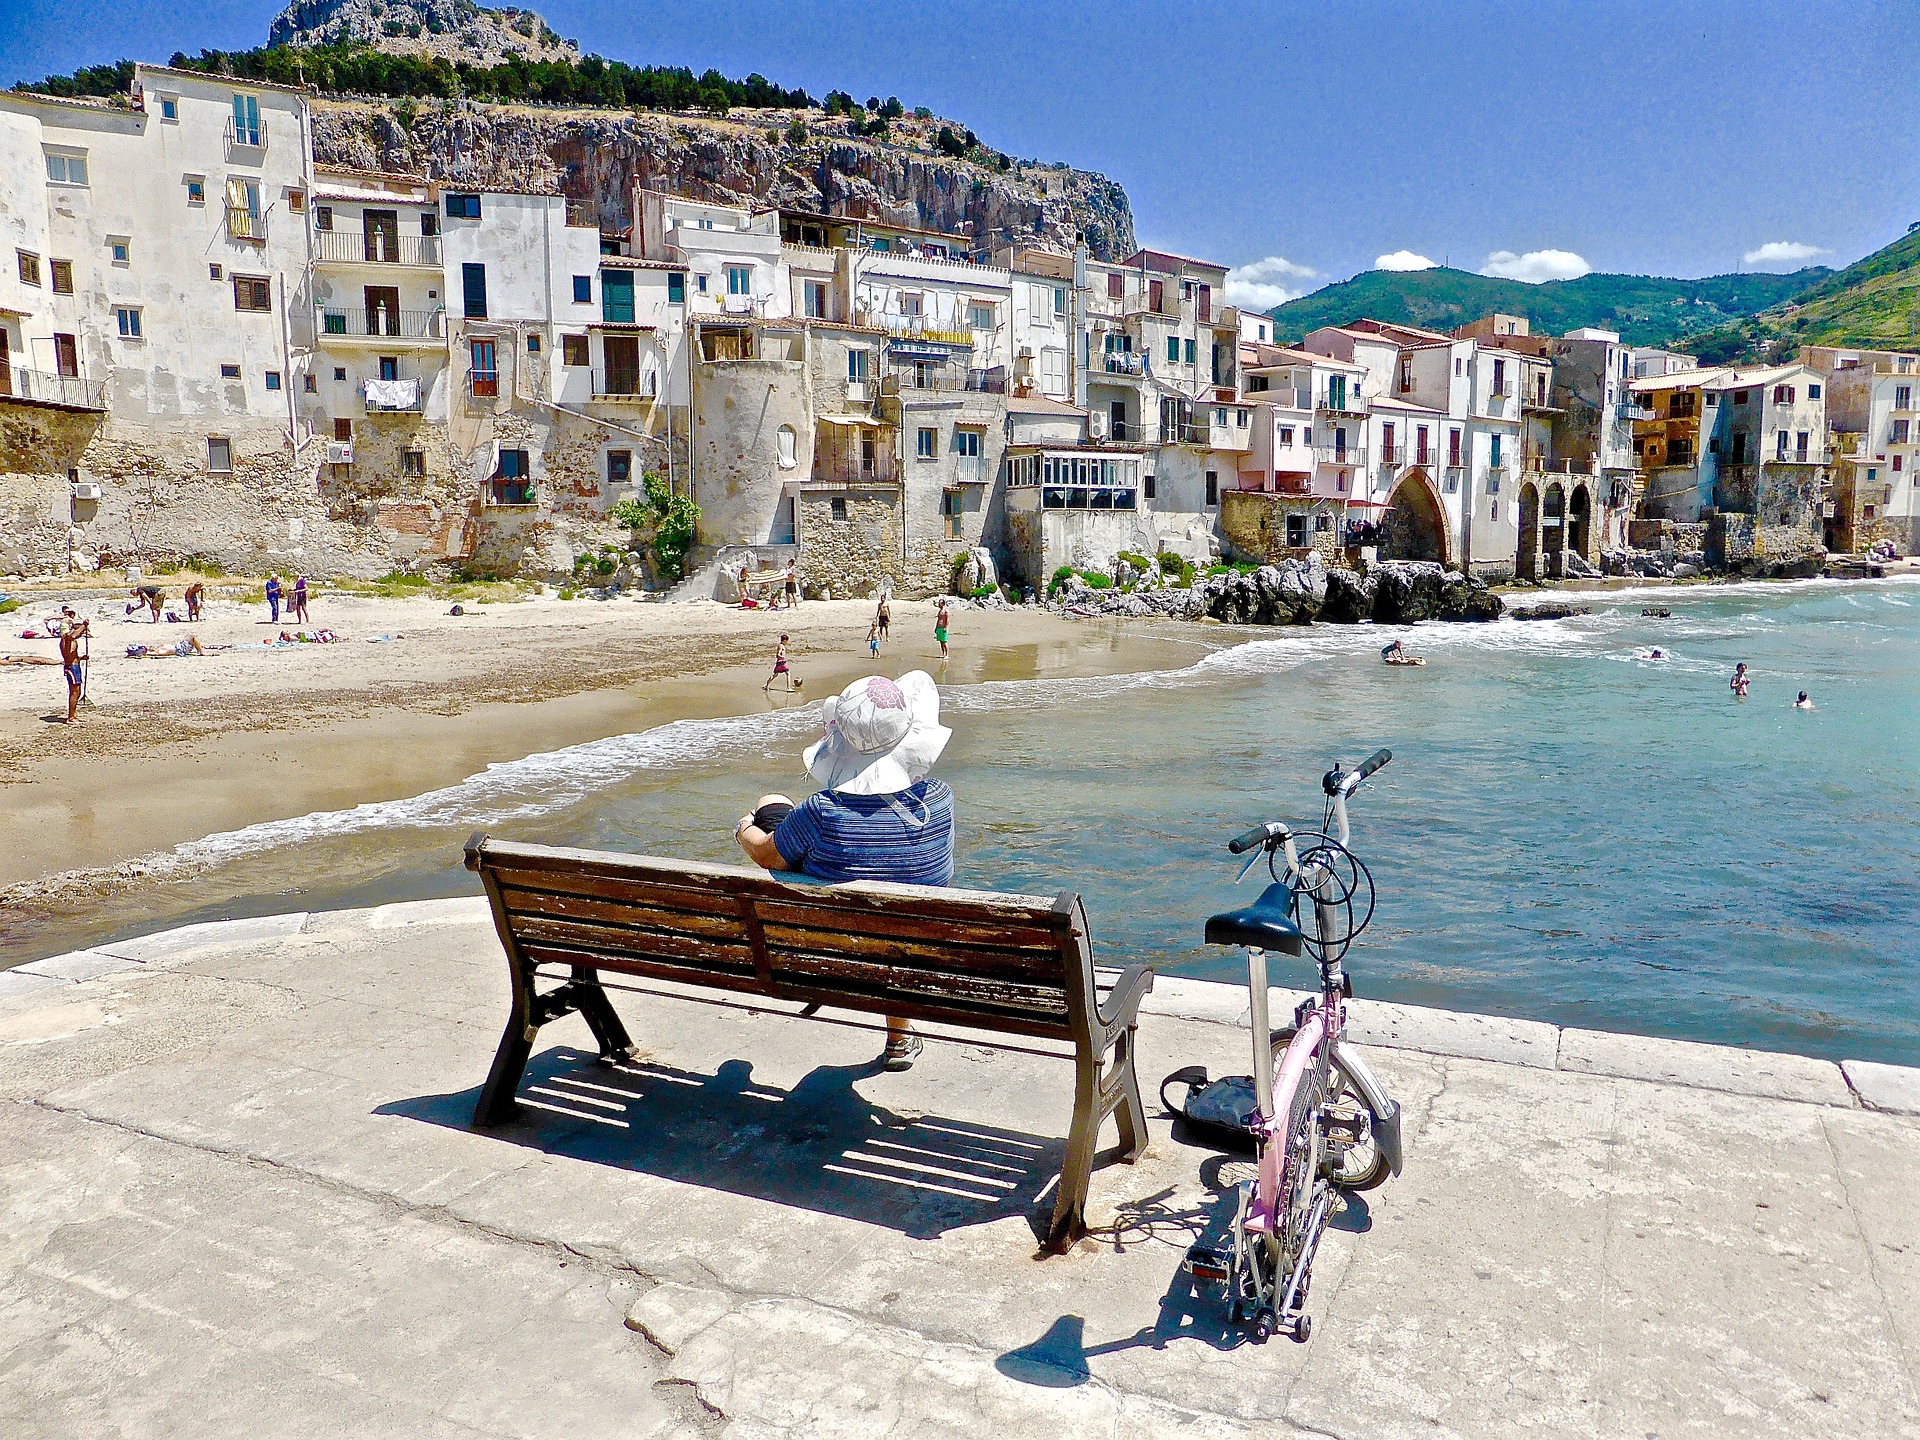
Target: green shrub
x,y
981,592
7,607
1096,581
1177,568
673,519
403,578
1138,562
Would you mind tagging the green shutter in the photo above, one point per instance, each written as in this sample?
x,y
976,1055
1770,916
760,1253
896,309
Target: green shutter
x,y
473,282
616,297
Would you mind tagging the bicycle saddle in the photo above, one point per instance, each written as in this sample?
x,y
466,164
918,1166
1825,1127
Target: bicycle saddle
x,y
1267,924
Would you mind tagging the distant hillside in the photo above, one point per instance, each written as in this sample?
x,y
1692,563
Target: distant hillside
x,y
1645,309
1873,303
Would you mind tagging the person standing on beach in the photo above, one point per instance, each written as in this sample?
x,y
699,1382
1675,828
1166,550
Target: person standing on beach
x,y
148,597
195,593
940,618
300,600
791,586
782,667
878,816
73,662
273,597
883,616
873,640
1740,681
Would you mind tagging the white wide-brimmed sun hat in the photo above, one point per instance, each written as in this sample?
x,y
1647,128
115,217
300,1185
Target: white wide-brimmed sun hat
x,y
881,735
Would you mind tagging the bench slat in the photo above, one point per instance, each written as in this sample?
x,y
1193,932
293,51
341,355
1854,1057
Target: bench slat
x,y
622,914
931,954
618,888
617,941
964,927
840,967
656,967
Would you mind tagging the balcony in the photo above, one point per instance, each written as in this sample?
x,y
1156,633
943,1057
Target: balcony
x,y
949,380
1351,455
483,384
1635,412
42,387
1121,362
343,247
1345,409
1541,406
854,472
1209,435
249,138
243,224
419,326
625,387
393,397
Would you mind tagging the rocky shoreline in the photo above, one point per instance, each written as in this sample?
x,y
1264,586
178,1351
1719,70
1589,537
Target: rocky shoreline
x,y
1300,592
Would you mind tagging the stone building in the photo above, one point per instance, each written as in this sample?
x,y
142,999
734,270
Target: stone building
x,y
1742,441
1875,426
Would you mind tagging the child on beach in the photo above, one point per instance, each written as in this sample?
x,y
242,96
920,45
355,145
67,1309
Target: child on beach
x,y
873,640
781,667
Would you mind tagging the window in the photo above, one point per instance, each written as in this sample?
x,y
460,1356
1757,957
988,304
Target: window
x,y
62,276
813,299
323,217
1740,397
66,167
119,249
616,297
473,290
1420,445
1897,461
740,280
583,289
910,303
219,455
1173,349
343,430
1800,445
533,344
463,207
1156,295
1148,482
1296,530
429,222
574,351
297,202
484,368
273,379
677,288
1903,397
29,267
1286,437
1493,450
1406,372
951,507
980,317
246,120
926,442
169,108
787,447
1499,376
126,319
1866,512
1189,350
1453,448
413,462
619,466
1780,448
1116,285
1493,484
966,444
252,292
1387,456
1213,487
229,372
196,190
837,507
700,284
1813,392
1493,511
1899,432
339,373
310,384
66,356
1712,399
1059,300
856,366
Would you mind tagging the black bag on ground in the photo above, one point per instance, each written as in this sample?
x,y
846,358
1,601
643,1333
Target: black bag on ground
x,y
1217,1111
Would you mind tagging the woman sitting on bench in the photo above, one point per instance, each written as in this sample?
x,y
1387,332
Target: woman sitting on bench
x,y
878,817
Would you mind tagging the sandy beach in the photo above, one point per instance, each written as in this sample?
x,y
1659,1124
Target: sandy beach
x,y
171,749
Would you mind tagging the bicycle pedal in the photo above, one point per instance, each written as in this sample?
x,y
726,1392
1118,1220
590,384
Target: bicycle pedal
x,y
1204,1263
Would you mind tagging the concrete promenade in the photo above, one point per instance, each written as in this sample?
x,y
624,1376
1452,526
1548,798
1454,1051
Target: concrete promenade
x,y
241,1198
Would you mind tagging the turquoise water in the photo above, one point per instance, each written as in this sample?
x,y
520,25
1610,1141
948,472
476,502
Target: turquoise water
x,y
1568,832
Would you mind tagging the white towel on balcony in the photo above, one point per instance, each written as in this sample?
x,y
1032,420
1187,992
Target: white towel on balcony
x,y
393,394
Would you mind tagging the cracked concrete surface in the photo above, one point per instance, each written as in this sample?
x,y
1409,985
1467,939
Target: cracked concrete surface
x,y
241,1197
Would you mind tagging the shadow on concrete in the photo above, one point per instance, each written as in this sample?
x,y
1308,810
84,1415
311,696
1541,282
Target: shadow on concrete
x,y
820,1146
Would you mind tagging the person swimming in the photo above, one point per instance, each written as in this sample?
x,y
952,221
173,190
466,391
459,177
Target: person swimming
x,y
1803,703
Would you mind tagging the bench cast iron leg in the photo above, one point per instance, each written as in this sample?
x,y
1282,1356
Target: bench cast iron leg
x,y
1070,1205
599,1014
509,1064
1130,1113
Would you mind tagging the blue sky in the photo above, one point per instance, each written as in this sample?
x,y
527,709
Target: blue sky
x,y
1671,138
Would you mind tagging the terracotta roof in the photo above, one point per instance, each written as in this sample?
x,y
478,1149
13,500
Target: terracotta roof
x,y
1167,256
1040,405
634,262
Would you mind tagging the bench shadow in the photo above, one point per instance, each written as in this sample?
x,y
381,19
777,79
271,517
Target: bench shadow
x,y
820,1146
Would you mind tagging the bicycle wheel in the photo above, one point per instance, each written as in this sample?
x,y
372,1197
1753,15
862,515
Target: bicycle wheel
x,y
1354,1159
1300,1167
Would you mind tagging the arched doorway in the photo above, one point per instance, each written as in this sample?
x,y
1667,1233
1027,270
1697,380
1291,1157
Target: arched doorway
x,y
1580,523
1553,532
1527,563
1415,525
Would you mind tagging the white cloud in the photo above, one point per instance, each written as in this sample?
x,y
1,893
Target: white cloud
x,y
1404,260
1535,266
1262,285
1781,252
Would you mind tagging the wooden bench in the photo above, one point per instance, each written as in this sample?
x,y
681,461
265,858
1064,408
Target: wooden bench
x,y
1016,965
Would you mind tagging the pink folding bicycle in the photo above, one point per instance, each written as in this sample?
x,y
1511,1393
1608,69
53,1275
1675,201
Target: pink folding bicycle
x,y
1321,1123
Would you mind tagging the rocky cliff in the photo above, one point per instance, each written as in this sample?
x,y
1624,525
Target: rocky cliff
x,y
453,30
803,160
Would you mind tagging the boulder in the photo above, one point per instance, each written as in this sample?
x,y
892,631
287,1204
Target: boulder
x,y
1550,610
975,571
1349,598
1409,591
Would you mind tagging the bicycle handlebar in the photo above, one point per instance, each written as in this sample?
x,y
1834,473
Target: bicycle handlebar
x,y
1259,835
1341,783
1375,761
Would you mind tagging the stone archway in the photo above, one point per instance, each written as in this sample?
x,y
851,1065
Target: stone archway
x,y
1416,523
1526,563
1580,523
1553,532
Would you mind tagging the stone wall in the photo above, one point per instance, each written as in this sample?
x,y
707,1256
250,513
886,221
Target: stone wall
x,y
1737,544
1040,541
38,447
1255,524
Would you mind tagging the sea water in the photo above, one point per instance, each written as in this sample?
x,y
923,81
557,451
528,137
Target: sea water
x,y
1569,831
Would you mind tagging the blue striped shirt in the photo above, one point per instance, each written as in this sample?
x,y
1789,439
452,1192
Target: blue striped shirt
x,y
906,838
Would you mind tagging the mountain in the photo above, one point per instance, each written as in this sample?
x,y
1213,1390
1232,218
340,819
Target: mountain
x,y
493,98
1873,303
1645,309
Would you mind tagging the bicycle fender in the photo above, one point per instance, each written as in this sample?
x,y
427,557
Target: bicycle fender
x,y
1386,1111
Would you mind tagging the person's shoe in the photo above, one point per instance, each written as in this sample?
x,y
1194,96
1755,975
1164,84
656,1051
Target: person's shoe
x,y
901,1052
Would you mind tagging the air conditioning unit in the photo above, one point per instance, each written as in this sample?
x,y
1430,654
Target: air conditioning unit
x,y
857,392
339,452
1097,425
86,489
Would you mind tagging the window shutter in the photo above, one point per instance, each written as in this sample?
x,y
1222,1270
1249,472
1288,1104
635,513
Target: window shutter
x,y
473,281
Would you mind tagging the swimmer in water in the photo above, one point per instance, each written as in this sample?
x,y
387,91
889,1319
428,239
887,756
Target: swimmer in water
x,y
1738,684
1803,703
